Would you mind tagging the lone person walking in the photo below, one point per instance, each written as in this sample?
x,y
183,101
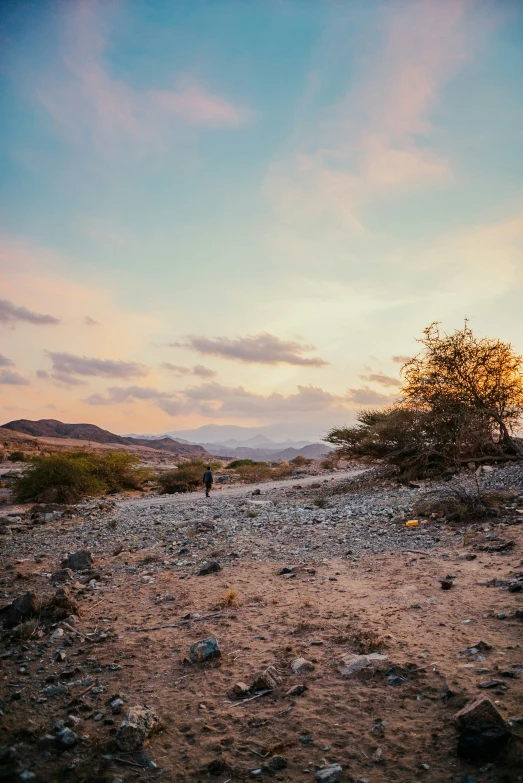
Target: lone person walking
x,y
207,480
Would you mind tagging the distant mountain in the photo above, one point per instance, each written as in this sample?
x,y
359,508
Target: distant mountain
x,y
222,433
51,428
309,450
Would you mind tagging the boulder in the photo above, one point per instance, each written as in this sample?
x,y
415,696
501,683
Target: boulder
x,y
275,765
351,664
479,710
78,561
483,730
301,665
137,726
266,680
205,650
22,608
329,774
209,568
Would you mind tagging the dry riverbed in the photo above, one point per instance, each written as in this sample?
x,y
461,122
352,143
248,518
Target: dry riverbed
x,y
358,581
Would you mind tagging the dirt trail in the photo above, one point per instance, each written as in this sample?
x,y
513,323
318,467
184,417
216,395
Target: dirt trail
x,y
224,490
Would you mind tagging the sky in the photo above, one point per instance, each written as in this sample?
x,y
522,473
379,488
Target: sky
x,y
246,213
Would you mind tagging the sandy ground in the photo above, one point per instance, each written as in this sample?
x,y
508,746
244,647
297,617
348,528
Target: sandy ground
x,y
320,615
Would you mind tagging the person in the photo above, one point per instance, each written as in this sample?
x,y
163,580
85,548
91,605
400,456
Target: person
x,y
207,480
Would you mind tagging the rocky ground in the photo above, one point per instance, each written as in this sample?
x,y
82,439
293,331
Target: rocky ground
x,y
304,580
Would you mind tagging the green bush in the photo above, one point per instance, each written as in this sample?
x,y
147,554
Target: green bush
x,y
16,456
242,463
72,475
187,477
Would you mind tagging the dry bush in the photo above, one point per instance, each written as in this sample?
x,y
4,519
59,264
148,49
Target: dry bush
x,y
230,597
187,477
459,504
320,501
367,642
24,631
251,514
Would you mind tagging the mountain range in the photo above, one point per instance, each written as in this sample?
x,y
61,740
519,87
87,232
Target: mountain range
x,y
51,428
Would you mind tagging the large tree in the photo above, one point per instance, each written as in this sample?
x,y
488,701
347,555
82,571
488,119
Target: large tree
x,y
461,400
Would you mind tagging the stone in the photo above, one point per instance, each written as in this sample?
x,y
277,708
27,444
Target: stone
x,y
205,650
256,492
446,584
217,767
351,664
240,690
78,561
479,710
486,684
287,570
62,575
482,741
211,567
22,608
57,635
266,680
302,665
66,738
116,706
137,726
467,556
297,690
276,764
329,774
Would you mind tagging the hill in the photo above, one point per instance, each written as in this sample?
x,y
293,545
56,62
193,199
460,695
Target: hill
x,y
52,428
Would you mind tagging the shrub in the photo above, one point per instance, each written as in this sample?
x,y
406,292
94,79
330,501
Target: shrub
x,y
186,477
299,461
255,472
242,463
70,476
319,501
16,456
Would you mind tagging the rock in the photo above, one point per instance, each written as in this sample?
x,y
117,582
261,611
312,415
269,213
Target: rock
x,y
266,680
482,741
301,665
116,706
467,556
446,584
209,568
136,727
351,664
57,635
240,690
66,738
256,492
276,764
22,608
297,690
491,684
217,767
78,561
205,650
329,774
62,575
479,710
516,586
377,756
287,570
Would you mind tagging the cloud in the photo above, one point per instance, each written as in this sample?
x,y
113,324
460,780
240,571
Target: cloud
x,y
11,313
375,139
259,349
5,362
89,103
401,359
12,378
88,321
384,380
197,369
366,396
117,394
69,364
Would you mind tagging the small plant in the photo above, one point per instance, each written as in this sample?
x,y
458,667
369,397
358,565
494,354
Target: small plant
x,y
319,501
299,461
186,477
113,524
231,598
16,456
367,642
27,629
251,514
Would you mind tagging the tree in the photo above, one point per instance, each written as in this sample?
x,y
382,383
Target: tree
x,y
461,399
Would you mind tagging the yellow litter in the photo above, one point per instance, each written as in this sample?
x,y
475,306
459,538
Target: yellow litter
x,y
412,523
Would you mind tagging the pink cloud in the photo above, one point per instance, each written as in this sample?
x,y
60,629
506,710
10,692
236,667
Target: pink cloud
x,y
87,99
369,142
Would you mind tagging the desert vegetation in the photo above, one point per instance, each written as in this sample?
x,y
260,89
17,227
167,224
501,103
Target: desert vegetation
x,y
70,476
461,401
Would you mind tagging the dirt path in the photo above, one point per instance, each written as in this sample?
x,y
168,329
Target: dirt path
x,y
223,490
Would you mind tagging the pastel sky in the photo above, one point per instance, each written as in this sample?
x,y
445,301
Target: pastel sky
x,y
246,212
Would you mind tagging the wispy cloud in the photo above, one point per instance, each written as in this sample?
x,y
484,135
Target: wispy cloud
x,y
88,321
118,394
401,359
85,99
11,314
12,378
198,369
381,378
373,140
70,365
256,349
5,362
366,396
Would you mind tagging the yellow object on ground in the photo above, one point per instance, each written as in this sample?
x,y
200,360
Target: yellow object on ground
x,y
412,523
